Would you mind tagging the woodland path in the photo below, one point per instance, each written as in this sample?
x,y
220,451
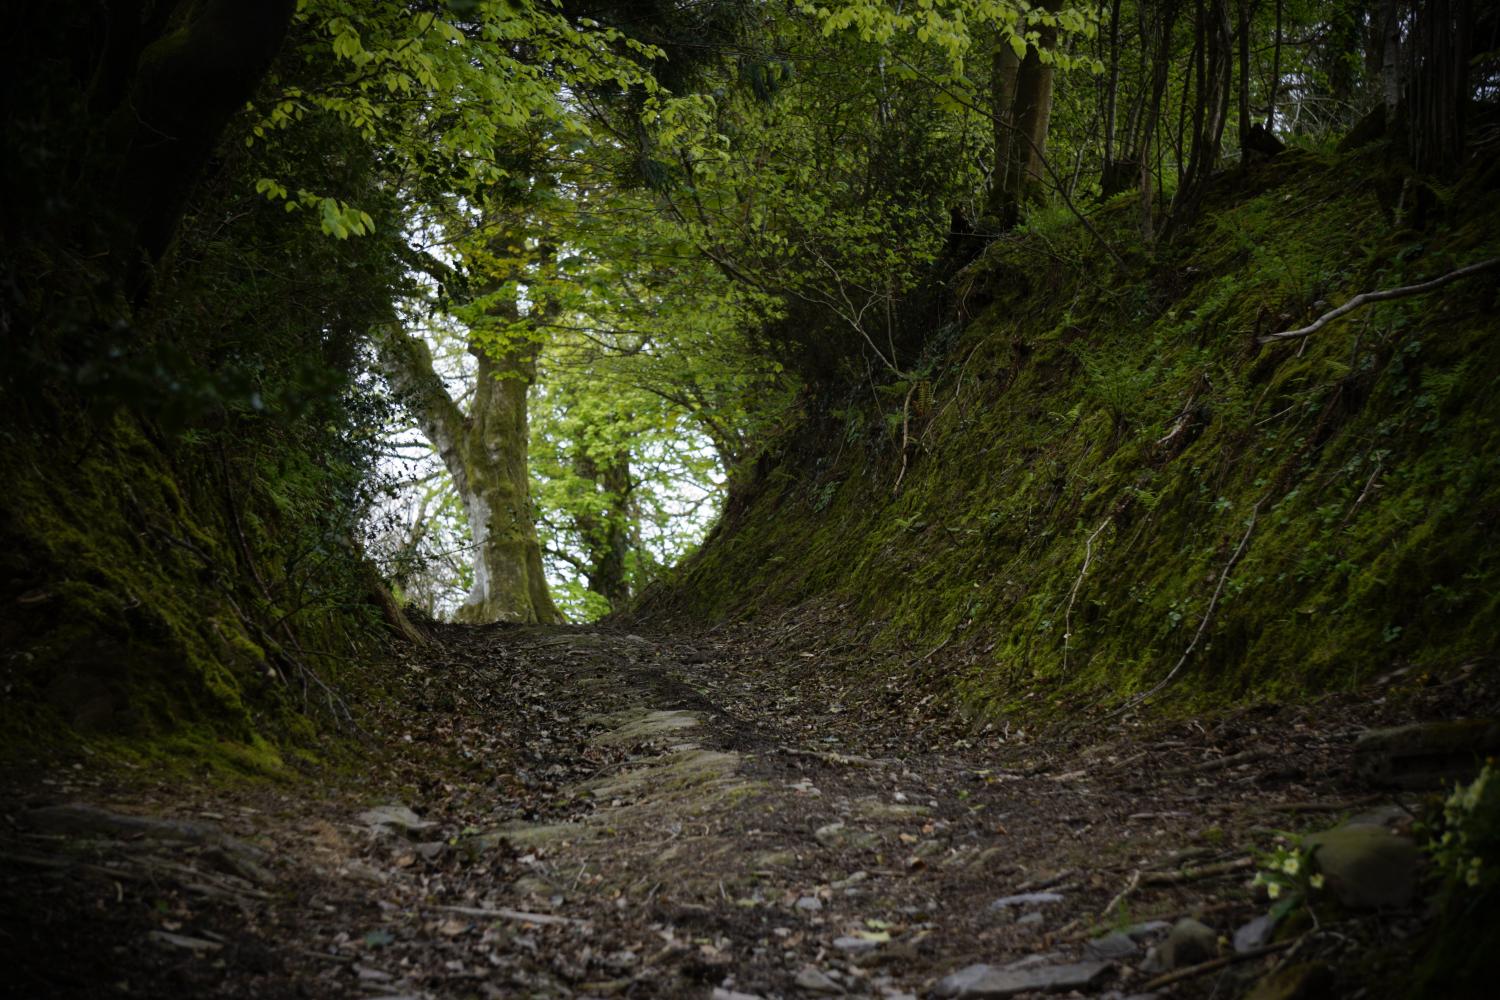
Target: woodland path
x,y
589,812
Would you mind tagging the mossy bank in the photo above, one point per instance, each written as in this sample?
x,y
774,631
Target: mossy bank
x,y
1095,463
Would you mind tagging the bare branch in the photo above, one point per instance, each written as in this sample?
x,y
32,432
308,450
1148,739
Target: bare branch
x,y
1365,298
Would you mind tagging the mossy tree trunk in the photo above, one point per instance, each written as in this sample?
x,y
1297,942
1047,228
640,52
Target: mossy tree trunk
x,y
1028,85
485,451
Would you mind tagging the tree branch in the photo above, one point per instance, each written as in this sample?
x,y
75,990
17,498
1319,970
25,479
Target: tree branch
x,y
406,362
1365,298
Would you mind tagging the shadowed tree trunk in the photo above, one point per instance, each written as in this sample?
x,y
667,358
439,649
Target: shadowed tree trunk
x,y
1438,85
166,115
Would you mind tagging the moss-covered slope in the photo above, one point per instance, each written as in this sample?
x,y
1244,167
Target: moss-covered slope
x,y
170,600
1097,460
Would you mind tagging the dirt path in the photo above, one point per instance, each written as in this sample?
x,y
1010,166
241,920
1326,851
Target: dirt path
x,y
587,813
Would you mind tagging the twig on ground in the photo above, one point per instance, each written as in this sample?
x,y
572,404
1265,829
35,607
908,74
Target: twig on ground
x,y
520,916
1135,880
1208,614
1220,763
1194,874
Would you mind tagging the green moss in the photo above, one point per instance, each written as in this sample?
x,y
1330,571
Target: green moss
x,y
133,623
1131,420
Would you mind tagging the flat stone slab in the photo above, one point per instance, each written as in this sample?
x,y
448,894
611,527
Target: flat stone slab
x,y
532,835
395,817
1026,899
648,726
987,981
672,772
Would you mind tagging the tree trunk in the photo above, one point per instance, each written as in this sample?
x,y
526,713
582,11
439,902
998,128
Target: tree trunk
x,y
1028,121
1437,85
1167,20
509,581
1275,74
606,534
1210,112
186,86
486,454
1243,32
1112,88
1390,64
1002,105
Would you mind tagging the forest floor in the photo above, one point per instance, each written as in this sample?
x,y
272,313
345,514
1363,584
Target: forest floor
x,y
587,812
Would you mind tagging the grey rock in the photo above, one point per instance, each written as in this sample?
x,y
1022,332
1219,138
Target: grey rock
x,y
1114,945
1035,959
988,981
842,837
816,981
394,818
854,945
1149,929
1189,943
1388,816
1254,934
1026,899
1029,919
810,903
1427,754
183,941
1365,867
431,850
720,993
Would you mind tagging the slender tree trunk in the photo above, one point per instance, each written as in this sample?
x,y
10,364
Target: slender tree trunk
x,y
1112,89
1210,112
1390,63
1275,74
1005,66
607,533
1166,23
1243,33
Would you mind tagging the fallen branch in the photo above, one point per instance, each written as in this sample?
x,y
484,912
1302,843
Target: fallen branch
x,y
1088,555
1135,880
1214,965
1220,763
1207,615
1193,874
520,916
1365,298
